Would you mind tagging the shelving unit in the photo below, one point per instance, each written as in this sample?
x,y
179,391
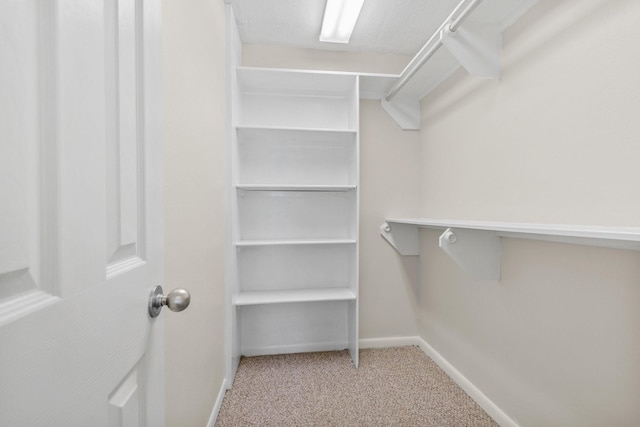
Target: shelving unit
x,y
476,246
294,245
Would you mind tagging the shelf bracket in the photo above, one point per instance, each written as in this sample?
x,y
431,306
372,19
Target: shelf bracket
x,y
405,112
477,46
405,238
477,252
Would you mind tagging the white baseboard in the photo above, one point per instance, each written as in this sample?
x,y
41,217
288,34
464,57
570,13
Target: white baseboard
x,y
474,392
388,342
216,408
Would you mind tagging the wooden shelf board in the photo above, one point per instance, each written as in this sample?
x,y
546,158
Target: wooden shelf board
x,y
285,187
296,242
616,237
294,296
294,82
286,129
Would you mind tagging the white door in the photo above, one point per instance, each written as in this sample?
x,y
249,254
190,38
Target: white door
x,y
80,213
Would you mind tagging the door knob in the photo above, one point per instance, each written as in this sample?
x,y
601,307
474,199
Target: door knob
x,y
176,300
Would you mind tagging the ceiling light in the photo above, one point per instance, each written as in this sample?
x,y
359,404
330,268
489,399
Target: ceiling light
x,y
340,17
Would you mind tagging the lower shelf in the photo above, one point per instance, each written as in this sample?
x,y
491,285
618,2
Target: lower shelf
x,y
294,295
298,327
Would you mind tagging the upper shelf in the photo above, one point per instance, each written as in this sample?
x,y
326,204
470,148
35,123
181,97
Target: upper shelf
x,y
324,100
288,82
495,14
475,43
300,99
476,245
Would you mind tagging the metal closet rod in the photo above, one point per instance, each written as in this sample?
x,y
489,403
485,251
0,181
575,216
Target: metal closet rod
x,y
454,20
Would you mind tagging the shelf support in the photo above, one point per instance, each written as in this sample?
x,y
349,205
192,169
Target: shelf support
x,y
476,246
477,252
405,112
477,47
405,238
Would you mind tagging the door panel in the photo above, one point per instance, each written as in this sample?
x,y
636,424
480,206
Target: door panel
x,y
124,402
125,183
26,274
81,213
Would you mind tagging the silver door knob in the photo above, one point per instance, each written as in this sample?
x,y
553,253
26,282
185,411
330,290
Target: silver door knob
x,y
176,300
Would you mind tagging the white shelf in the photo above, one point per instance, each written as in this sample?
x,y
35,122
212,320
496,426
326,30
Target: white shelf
x,y
289,82
476,46
615,237
284,130
290,242
297,99
292,215
267,155
284,187
294,296
475,245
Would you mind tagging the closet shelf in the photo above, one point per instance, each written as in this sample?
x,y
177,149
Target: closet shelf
x,y
290,82
476,246
475,45
293,242
283,187
288,129
294,296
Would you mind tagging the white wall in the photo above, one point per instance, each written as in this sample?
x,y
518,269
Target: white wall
x,y
258,55
193,32
388,185
557,140
389,166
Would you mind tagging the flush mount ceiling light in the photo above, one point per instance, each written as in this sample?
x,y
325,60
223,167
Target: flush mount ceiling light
x,y
340,17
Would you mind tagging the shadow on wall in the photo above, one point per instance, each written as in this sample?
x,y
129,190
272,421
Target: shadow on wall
x,y
411,272
544,11
521,56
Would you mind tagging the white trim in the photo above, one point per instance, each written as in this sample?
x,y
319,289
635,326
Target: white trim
x,y
389,342
125,265
474,392
216,408
15,307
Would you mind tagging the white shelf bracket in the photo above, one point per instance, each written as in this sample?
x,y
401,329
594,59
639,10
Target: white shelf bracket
x,y
405,238
475,251
477,46
406,112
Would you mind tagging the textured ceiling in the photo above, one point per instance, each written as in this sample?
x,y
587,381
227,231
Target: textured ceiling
x,y
388,26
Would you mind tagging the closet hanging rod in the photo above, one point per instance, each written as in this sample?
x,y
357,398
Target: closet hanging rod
x,y
453,21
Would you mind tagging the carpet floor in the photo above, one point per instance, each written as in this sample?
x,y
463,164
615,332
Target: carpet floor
x,y
397,386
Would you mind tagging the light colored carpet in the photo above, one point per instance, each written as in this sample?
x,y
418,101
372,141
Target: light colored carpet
x,y
398,386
